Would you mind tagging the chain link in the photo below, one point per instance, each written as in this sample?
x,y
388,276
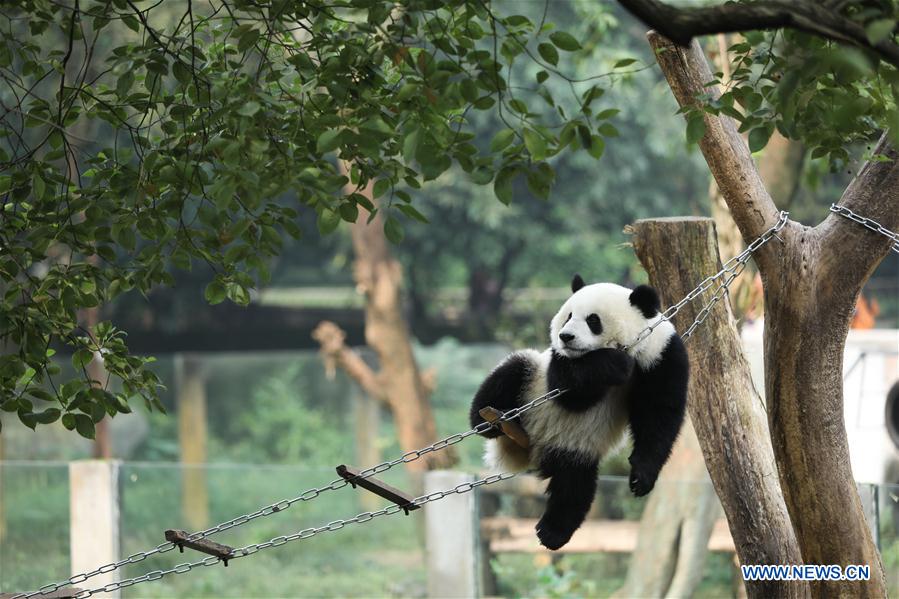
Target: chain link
x,y
868,223
732,268
297,536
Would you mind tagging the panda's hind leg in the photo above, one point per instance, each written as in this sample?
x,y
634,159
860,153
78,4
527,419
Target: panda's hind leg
x,y
572,486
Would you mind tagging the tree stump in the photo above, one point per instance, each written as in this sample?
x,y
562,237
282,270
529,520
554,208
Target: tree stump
x,y
727,412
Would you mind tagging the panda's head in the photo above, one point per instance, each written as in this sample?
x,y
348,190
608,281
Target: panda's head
x,y
602,315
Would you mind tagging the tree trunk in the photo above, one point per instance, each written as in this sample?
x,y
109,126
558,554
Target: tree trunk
x,y
812,279
102,447
675,527
723,404
379,276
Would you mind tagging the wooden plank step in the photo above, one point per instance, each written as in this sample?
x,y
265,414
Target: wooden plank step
x,y
378,487
511,429
181,538
516,535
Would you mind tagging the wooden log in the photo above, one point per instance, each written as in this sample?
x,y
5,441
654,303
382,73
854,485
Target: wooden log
x,y
511,429
727,413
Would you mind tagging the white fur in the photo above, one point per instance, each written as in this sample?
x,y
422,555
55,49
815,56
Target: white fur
x,y
593,433
599,430
621,321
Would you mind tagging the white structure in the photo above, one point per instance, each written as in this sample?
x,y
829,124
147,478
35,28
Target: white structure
x,y
452,537
870,369
94,519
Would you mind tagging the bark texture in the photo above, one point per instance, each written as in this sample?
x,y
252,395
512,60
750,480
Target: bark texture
x,y
399,383
812,277
725,408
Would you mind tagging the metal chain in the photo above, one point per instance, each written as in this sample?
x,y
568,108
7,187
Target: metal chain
x,y
732,268
284,504
868,223
297,536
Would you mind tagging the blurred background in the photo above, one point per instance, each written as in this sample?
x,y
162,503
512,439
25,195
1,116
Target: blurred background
x,y
258,411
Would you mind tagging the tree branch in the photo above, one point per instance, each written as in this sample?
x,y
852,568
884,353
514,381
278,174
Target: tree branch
x,y
849,251
336,353
725,150
683,24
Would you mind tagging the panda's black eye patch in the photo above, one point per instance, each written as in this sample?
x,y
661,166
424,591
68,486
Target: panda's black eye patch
x,y
595,324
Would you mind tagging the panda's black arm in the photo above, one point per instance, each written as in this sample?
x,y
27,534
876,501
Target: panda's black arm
x,y
587,379
502,389
656,405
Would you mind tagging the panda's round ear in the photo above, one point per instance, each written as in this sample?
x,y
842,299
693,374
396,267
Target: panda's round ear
x,y
645,299
576,283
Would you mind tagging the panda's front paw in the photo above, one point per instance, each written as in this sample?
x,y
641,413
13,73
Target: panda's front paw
x,y
642,478
622,364
551,535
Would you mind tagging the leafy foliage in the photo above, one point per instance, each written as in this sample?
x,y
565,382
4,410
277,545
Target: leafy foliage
x,y
828,95
140,139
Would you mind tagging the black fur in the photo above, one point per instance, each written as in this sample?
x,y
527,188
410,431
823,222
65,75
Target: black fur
x,y
646,300
501,390
595,324
572,486
656,406
588,378
576,283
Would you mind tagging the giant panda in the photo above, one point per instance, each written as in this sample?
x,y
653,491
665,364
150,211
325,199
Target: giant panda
x,y
608,390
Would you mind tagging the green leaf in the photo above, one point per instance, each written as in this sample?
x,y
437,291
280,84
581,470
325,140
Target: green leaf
x,y
502,140
380,188
758,138
68,421
85,426
81,358
247,40
608,130
348,212
695,128
549,53
482,175
411,212
879,29
564,41
48,416
329,140
182,72
624,62
393,230
542,76
596,147
328,221
535,144
250,108
502,185
215,292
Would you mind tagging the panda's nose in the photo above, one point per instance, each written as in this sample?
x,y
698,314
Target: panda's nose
x,y
566,337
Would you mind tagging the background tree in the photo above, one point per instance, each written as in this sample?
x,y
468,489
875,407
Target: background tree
x,y
203,132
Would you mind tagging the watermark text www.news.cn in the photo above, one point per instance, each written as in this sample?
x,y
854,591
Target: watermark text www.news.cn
x,y
806,572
